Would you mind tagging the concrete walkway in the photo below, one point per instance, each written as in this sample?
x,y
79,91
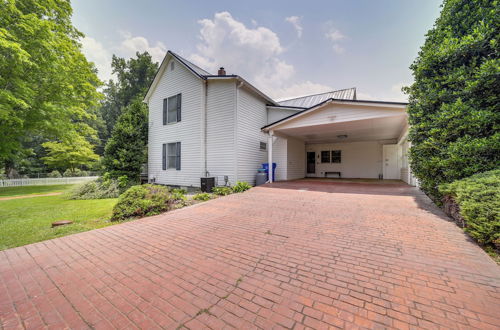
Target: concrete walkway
x,y
287,255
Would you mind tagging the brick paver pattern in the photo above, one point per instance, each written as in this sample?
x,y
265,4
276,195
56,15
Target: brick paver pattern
x,y
295,255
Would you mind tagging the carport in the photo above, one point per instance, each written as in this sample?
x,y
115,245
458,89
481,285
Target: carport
x,y
342,138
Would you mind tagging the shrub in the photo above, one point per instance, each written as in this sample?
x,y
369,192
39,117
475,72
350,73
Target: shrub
x,y
54,174
222,191
241,186
145,200
69,173
202,197
179,194
453,103
479,200
97,189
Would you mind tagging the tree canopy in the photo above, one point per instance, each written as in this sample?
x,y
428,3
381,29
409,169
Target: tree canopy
x,y
47,87
454,102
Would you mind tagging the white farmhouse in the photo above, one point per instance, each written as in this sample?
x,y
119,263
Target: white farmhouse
x,y
221,126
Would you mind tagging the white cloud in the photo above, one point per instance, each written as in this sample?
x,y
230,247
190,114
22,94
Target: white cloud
x,y
95,52
295,21
335,36
125,47
252,52
132,44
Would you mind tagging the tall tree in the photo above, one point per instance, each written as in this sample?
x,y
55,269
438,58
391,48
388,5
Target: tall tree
x,y
454,102
133,77
46,84
126,150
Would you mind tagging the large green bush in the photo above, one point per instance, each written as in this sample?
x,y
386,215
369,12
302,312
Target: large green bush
x,y
145,200
479,200
241,186
453,103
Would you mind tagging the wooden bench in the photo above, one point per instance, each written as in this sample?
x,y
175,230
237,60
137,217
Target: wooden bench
x,y
335,173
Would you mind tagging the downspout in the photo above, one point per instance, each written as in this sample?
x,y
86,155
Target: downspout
x,y
236,124
270,156
205,120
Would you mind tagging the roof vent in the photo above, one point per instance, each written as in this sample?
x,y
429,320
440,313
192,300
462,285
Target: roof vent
x,y
221,71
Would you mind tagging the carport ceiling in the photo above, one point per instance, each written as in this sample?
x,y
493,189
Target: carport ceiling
x,y
385,128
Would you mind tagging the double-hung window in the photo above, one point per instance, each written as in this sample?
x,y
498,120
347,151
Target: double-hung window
x,y
171,155
336,156
325,156
172,109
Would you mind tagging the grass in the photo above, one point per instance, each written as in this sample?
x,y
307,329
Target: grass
x,y
32,190
28,220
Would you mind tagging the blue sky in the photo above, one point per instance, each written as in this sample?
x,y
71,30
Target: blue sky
x,y
286,48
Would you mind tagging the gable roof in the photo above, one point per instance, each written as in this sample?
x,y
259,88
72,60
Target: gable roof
x,y
311,100
332,100
190,65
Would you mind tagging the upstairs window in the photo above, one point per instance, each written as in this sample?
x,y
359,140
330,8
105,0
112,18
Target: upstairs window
x,y
172,109
325,156
336,156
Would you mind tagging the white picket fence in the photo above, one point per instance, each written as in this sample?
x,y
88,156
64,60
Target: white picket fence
x,y
45,181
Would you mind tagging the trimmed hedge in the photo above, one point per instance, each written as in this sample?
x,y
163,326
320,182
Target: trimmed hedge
x,y
145,200
453,103
479,200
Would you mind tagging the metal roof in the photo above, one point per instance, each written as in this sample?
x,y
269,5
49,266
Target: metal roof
x,y
199,71
311,100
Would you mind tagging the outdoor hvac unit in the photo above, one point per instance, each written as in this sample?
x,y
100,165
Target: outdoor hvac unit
x,y
207,184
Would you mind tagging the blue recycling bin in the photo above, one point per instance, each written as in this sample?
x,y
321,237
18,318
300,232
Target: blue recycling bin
x,y
266,167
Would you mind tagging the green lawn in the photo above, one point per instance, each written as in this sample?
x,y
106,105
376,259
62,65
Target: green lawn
x,y
30,190
28,220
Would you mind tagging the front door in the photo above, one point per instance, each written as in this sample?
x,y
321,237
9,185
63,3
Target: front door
x,y
311,162
390,161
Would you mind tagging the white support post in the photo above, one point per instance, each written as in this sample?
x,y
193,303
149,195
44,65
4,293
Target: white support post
x,y
270,155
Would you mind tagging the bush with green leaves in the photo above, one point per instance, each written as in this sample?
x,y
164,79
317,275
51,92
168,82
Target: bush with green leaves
x,y
143,200
202,197
453,103
222,191
179,194
97,189
55,174
241,186
478,197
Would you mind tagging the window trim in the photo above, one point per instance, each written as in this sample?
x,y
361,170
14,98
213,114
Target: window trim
x,y
178,109
177,157
335,157
329,156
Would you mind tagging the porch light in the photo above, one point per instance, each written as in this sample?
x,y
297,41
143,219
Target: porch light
x,y
342,136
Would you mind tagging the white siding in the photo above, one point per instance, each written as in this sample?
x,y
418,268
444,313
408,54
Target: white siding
x,y
251,117
280,157
187,131
359,159
335,113
274,114
221,109
296,159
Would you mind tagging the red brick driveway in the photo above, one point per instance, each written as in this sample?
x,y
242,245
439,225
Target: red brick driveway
x,y
292,255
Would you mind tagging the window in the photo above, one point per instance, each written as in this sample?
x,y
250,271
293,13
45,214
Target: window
x,y
325,156
172,66
263,146
164,157
172,109
336,156
174,155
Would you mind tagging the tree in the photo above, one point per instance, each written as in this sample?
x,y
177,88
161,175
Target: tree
x,y
134,76
126,150
46,84
454,101
69,153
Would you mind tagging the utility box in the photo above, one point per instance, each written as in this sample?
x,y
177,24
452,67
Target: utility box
x,y
207,184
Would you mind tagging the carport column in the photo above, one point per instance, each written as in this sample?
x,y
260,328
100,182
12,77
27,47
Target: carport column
x,y
270,155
